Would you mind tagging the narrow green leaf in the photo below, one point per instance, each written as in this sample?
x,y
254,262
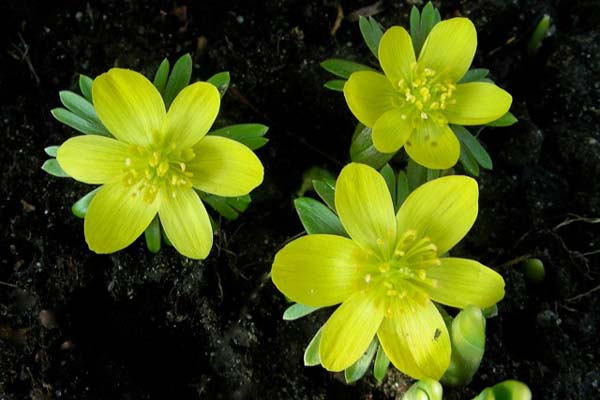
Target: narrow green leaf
x,y
311,354
220,81
220,205
76,122
52,167
416,174
468,161
539,34
402,189
311,174
297,311
371,33
415,23
85,85
433,174
239,203
166,240
363,151
250,135
507,119
325,188
382,362
421,24
161,76
179,78
316,217
490,312
343,68
390,179
82,108
51,150
336,85
359,368
152,236
80,207
475,148
474,75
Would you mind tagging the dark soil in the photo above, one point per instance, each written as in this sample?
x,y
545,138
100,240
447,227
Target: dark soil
x,y
76,325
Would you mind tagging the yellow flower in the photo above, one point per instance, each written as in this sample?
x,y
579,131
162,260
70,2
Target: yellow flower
x,y
413,103
154,163
389,271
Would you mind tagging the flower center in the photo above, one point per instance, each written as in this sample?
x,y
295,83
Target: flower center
x,y
403,275
425,96
152,169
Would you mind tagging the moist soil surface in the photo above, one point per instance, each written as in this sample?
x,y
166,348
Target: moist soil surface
x,y
133,325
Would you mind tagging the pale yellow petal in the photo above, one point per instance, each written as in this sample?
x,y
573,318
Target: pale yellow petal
x,y
186,224
225,167
416,340
369,95
349,331
319,270
93,159
191,114
391,131
116,217
433,145
396,54
129,106
365,207
478,103
443,209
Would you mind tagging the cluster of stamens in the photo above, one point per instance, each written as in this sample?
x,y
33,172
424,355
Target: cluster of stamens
x,y
152,169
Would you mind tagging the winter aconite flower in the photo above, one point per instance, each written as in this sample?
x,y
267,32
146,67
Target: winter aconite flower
x,y
154,162
389,271
413,103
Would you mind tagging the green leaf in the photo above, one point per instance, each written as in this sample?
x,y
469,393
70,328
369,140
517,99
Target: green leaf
x,y
51,150
325,188
250,135
490,312
220,81
416,174
82,108
240,203
402,189
422,23
228,207
80,207
390,179
382,362
311,174
311,354
371,33
78,123
539,34
316,217
507,390
85,85
468,161
433,174
507,119
297,311
179,79
161,76
474,75
473,145
363,151
335,85
343,68
52,167
152,235
359,368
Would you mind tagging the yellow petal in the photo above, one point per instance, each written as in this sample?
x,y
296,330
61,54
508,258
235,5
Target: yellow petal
x,y
116,217
462,282
225,167
391,131
416,341
433,145
93,159
128,105
449,48
318,270
365,207
443,210
396,54
478,103
186,224
349,331
191,114
369,95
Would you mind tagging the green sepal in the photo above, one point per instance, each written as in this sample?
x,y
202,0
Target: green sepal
x,y
468,162
422,23
425,389
416,174
179,79
371,32
52,167
474,75
153,236
382,362
251,135
80,207
336,85
402,190
363,151
325,188
390,179
51,150
221,81
161,76
78,123
229,207
311,354
81,107
343,68
85,85
297,311
360,367
507,390
507,119
473,146
316,217
490,312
